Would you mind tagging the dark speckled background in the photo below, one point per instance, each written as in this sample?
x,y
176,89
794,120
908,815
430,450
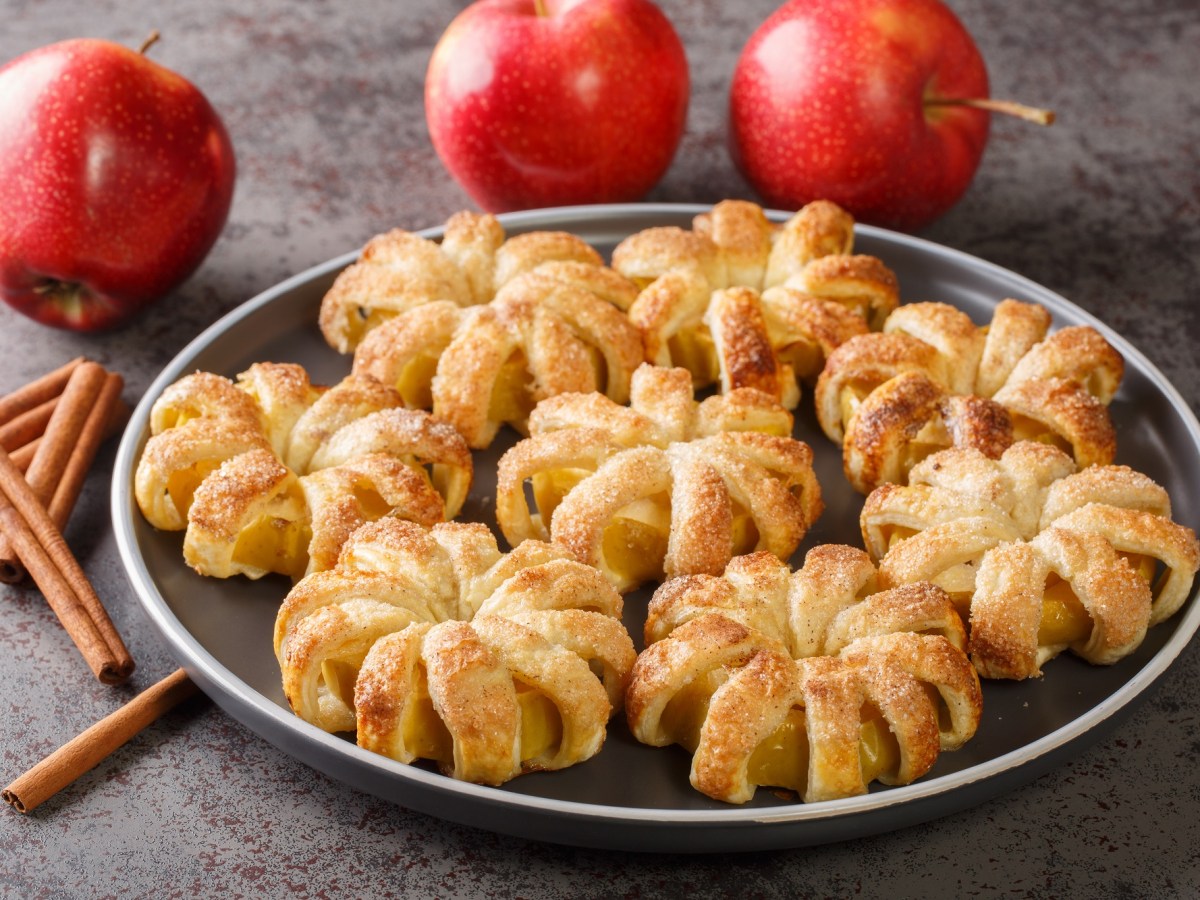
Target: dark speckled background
x,y
323,101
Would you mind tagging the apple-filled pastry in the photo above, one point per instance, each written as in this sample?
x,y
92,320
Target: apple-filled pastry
x,y
665,486
398,270
811,680
1039,556
480,367
431,644
271,473
741,301
932,379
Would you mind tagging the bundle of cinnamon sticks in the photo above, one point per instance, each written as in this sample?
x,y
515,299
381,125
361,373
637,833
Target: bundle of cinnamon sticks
x,y
50,430
53,427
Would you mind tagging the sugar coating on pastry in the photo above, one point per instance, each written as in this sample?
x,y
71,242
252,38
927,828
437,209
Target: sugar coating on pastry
x,y
398,271
271,473
432,644
483,367
666,486
1039,556
932,379
741,301
811,681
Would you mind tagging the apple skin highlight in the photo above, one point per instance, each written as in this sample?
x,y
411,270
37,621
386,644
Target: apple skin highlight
x,y
116,178
829,101
557,103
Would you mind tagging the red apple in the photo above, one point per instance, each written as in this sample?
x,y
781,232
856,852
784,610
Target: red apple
x,y
116,177
851,101
549,102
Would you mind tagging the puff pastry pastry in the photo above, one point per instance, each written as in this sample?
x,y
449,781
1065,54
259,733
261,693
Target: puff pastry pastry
x,y
399,270
431,644
270,474
665,487
742,302
1040,556
932,379
811,680
485,366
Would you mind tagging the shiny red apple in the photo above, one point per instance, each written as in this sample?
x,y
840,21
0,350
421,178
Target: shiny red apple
x,y
116,177
858,101
550,102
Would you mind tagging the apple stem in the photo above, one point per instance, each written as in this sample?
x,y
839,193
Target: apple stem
x,y
539,8
1007,107
150,41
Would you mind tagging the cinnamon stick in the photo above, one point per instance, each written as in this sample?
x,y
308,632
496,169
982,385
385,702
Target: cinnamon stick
x,y
43,552
37,391
95,429
64,428
63,438
83,753
27,426
23,455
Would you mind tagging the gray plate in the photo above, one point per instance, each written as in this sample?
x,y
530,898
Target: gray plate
x,y
629,796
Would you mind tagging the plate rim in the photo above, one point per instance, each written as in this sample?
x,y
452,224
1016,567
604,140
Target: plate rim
x,y
246,704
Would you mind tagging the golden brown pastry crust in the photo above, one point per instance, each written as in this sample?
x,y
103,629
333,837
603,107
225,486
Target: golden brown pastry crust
x,y
429,644
701,305
399,271
666,468
1044,557
482,367
1115,598
732,661
933,379
255,471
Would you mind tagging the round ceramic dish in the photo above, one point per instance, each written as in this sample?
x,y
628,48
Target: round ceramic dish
x,y
630,796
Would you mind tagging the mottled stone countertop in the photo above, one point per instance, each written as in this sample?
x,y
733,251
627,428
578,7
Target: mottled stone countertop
x,y
324,104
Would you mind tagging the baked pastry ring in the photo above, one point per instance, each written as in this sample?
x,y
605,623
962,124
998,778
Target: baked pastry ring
x,y
1040,556
932,379
399,270
744,302
659,488
271,474
485,366
808,681
431,644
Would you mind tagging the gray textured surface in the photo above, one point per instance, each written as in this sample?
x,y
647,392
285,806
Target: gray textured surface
x,y
323,103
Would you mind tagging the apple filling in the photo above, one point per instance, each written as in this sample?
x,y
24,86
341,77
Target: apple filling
x,y
684,715
851,397
425,736
274,544
744,531
635,543
959,584
512,394
422,731
366,319
182,484
891,535
541,723
336,686
929,440
693,349
782,758
550,487
805,358
1064,620
1027,429
415,381
177,417
369,502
